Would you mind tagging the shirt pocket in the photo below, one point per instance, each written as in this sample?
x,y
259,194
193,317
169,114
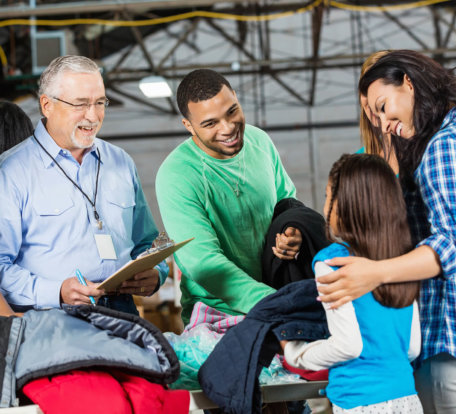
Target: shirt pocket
x,y
52,222
52,206
120,211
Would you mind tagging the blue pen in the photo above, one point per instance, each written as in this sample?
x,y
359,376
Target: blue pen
x,y
83,282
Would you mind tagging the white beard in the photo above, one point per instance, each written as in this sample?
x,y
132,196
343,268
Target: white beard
x,y
88,141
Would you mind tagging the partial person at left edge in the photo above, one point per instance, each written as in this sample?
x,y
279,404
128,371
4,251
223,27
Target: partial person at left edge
x,y
71,201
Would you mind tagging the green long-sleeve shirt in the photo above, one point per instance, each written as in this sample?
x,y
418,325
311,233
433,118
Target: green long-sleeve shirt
x,y
227,205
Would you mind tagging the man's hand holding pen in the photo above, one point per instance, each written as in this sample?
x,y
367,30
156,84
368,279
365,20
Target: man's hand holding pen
x,y
73,292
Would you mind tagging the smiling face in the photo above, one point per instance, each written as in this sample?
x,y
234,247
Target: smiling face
x,y
70,128
393,107
217,124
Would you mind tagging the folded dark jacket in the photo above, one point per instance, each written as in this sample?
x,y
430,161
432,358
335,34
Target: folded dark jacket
x,y
229,377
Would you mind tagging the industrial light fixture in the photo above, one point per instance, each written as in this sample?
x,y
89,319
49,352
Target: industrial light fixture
x,y
155,87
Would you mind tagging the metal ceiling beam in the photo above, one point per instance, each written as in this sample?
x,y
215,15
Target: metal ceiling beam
x,y
264,67
264,70
406,29
276,65
450,28
437,31
85,7
268,128
182,38
187,41
317,20
99,6
123,56
147,56
135,98
441,37
139,40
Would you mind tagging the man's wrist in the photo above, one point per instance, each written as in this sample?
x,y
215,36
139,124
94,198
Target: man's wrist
x,y
158,281
156,287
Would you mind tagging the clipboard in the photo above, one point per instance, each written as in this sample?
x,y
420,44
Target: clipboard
x,y
140,264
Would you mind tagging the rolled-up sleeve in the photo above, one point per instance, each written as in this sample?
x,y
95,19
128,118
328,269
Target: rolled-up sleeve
x,y
436,176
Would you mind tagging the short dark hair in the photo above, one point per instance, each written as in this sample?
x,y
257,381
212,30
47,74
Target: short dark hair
x,y
199,85
15,125
372,217
434,95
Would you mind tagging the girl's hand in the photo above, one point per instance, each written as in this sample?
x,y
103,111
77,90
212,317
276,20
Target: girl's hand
x,y
356,277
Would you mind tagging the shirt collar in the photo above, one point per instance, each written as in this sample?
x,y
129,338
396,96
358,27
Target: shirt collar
x,y
448,117
52,148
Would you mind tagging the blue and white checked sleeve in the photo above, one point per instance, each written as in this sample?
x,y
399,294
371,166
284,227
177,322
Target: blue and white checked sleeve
x,y
437,178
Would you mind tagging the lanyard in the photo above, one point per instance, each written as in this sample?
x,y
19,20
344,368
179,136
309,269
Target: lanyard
x,y
92,203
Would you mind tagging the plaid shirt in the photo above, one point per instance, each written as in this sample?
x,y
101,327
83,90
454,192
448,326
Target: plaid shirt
x,y
436,179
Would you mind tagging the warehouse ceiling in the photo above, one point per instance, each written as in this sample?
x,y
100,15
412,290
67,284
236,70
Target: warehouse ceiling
x,y
281,53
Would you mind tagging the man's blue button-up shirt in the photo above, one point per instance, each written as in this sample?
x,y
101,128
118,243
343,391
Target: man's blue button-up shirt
x,y
47,226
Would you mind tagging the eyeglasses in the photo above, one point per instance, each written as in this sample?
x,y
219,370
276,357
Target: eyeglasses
x,y
82,107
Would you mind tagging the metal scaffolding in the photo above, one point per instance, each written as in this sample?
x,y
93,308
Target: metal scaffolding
x,y
307,54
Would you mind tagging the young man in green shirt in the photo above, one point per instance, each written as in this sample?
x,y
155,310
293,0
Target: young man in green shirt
x,y
221,186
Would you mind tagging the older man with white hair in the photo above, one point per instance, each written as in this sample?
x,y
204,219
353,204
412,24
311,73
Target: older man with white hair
x,y
70,201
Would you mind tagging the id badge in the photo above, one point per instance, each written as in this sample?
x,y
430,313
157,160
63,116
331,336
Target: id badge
x,y
105,246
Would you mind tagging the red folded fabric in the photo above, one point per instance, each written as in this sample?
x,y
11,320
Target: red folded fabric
x,y
307,374
147,397
98,392
76,392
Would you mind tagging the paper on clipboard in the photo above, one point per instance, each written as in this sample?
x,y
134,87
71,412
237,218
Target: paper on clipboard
x,y
139,265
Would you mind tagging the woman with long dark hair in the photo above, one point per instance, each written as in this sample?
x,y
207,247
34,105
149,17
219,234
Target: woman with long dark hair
x,y
413,98
373,334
